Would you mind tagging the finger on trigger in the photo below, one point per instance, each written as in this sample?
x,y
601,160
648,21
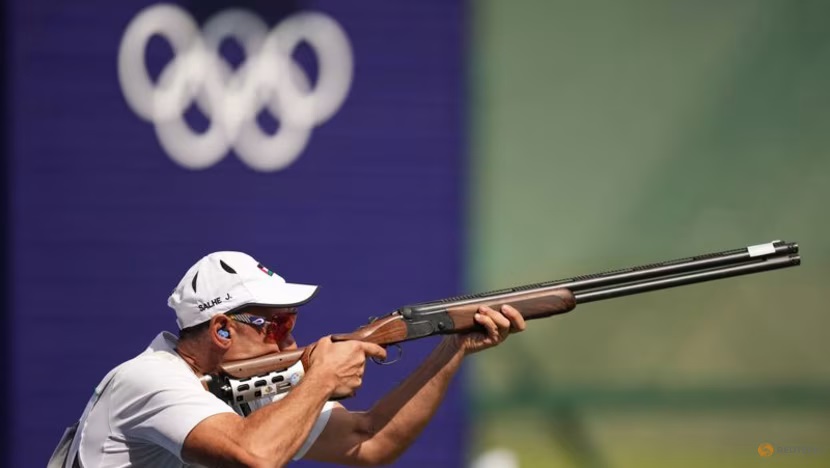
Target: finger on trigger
x,y
374,350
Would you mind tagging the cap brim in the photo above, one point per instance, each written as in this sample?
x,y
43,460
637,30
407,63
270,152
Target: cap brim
x,y
283,295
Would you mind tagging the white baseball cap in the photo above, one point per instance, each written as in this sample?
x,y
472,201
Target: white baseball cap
x,y
222,282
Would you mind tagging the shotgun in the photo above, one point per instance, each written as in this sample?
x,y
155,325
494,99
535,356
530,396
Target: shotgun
x,y
243,381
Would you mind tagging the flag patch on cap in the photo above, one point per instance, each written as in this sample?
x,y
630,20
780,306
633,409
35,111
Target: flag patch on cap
x,y
265,269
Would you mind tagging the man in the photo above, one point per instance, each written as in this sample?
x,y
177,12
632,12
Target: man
x,y
153,411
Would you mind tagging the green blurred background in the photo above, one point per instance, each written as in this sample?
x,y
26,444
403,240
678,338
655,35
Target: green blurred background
x,y
609,134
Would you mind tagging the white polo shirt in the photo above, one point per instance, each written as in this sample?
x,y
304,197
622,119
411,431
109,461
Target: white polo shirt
x,y
149,408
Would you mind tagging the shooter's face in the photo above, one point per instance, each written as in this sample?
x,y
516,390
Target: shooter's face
x,y
262,330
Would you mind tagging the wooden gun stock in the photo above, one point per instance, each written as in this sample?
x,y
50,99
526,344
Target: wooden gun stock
x,y
260,365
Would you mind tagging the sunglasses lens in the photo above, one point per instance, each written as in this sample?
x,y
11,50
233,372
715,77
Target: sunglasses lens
x,y
281,326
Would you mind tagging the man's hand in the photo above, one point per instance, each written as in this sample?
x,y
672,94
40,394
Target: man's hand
x,y
342,364
497,326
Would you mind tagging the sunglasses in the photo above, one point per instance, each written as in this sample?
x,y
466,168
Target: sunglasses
x,y
277,327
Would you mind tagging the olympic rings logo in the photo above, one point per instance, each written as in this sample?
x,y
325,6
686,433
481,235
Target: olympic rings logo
x,y
268,79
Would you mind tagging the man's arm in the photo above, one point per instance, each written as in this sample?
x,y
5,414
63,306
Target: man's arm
x,y
270,436
382,434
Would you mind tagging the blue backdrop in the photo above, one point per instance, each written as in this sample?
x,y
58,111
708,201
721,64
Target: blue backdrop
x,y
104,222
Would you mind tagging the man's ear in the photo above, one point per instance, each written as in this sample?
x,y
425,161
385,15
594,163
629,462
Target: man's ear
x,y
221,332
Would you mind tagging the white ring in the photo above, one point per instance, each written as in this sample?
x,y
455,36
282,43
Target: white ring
x,y
268,78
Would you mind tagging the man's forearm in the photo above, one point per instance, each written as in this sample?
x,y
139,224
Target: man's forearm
x,y
277,431
400,416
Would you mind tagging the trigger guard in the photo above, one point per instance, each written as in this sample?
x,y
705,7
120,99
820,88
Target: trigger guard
x,y
387,362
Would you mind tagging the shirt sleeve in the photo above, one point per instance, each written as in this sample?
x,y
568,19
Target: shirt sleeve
x,y
160,402
316,430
